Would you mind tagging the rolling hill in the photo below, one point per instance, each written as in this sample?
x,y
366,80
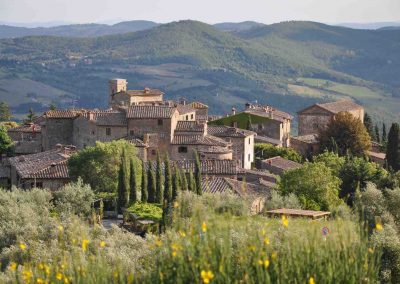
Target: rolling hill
x,y
289,65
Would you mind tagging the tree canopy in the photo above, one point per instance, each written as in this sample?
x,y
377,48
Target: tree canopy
x,y
393,147
345,134
6,143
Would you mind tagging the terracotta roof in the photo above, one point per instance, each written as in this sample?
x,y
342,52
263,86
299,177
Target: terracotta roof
x,y
196,139
262,174
281,163
381,156
228,185
226,131
60,113
198,105
268,112
210,167
49,164
28,127
215,150
299,213
110,118
150,112
309,139
183,109
190,126
265,139
144,92
338,106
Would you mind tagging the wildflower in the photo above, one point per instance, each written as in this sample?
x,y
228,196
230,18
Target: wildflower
x,y
85,244
59,276
27,275
274,255
13,266
252,248
206,276
130,278
47,269
370,250
102,244
174,253
39,281
266,241
61,228
378,227
158,243
263,232
41,266
183,234
22,246
260,262
204,227
66,280
266,263
311,280
176,204
115,274
285,221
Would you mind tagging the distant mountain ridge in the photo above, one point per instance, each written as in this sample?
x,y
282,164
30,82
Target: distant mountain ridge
x,y
288,65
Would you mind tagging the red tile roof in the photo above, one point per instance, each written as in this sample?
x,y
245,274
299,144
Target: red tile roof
x,y
226,131
281,163
150,111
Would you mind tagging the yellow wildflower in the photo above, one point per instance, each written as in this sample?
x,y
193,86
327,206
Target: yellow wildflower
x,y
176,204
204,227
378,227
39,281
102,244
260,262
66,280
85,244
61,228
311,280
266,241
274,255
41,266
115,274
22,246
183,234
206,276
59,276
285,221
158,243
263,232
174,253
47,269
27,275
130,278
370,250
13,266
252,248
266,263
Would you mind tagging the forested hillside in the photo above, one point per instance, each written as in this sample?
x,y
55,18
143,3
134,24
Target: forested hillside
x,y
288,65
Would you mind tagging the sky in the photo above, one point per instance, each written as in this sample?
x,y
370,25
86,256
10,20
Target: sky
x,y
208,11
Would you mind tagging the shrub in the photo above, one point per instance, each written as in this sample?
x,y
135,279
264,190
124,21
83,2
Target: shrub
x,y
146,210
279,201
265,151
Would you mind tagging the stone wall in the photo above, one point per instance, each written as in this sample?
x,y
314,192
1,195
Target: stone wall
x,y
57,131
312,123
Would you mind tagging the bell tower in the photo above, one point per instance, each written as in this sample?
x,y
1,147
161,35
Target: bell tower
x,y
115,86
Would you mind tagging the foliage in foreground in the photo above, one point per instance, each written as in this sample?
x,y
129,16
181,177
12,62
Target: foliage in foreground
x,y
265,151
146,211
206,243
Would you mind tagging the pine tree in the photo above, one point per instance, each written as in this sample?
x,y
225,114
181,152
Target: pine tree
x,y
5,114
377,136
175,184
191,182
197,174
369,126
31,115
151,184
123,184
144,189
132,182
184,182
248,126
159,181
6,143
168,181
384,135
393,148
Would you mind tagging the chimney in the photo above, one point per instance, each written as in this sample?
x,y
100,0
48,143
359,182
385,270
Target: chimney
x,y
146,90
90,115
247,105
233,111
182,101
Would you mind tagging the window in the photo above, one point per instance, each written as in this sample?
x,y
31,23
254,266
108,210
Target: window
x,y
108,131
249,141
92,132
260,126
182,149
187,117
191,116
131,132
153,152
160,122
249,157
37,185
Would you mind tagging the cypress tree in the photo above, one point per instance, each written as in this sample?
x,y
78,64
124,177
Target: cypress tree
x,y
377,136
175,184
151,184
384,135
393,147
144,189
191,182
132,182
159,181
369,126
184,182
123,184
197,174
168,181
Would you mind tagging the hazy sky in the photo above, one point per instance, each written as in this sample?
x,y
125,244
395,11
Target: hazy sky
x,y
209,11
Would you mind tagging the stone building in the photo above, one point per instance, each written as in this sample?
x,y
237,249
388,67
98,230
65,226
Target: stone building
x,y
271,125
306,145
27,137
278,165
217,168
120,96
47,169
317,116
242,143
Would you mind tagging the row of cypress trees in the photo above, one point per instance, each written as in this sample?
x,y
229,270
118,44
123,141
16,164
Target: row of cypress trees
x,y
160,182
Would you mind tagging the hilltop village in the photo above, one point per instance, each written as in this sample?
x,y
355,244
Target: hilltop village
x,y
225,145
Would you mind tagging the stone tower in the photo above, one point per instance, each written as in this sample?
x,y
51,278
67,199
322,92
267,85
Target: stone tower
x,y
115,86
